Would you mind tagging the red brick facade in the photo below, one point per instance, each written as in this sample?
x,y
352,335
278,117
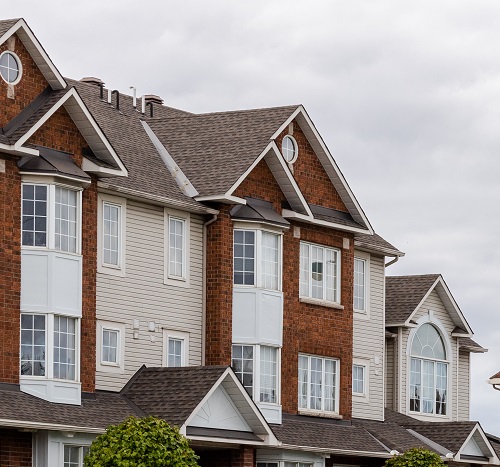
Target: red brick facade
x,y
307,328
15,449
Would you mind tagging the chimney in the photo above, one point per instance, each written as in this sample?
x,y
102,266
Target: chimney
x,y
153,99
93,80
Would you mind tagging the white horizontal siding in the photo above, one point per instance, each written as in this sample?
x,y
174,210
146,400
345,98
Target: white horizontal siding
x,y
389,373
368,344
463,386
142,294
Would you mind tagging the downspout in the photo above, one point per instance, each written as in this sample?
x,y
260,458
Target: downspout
x,y
456,382
395,260
204,290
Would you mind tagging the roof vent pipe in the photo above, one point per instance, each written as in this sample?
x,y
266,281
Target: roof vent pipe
x,y
134,96
115,91
109,96
154,99
143,106
150,108
92,80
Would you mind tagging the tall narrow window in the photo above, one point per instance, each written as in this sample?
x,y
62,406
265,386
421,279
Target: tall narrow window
x,y
32,345
110,342
319,272
268,374
64,348
359,284
174,352
428,372
34,215
176,260
318,383
111,234
244,257
65,219
242,364
358,379
270,260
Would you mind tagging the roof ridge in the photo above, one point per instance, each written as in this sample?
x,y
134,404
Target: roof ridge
x,y
413,275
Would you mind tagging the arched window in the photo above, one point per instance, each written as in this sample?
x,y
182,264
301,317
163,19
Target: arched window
x,y
428,372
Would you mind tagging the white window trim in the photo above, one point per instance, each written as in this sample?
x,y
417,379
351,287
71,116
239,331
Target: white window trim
x,y
365,363
327,413
249,227
319,301
170,279
49,348
51,215
20,67
430,318
102,267
109,367
256,373
364,314
180,335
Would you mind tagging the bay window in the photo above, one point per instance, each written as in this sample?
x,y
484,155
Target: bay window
x,y
428,372
319,272
256,366
318,383
257,258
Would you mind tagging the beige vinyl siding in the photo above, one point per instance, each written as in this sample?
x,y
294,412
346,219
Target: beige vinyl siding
x,y
389,373
368,344
463,386
142,295
433,303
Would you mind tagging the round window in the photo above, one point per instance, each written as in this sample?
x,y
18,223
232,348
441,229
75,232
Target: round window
x,y
10,67
289,148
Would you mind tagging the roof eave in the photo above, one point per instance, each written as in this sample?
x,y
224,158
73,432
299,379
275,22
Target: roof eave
x,y
48,426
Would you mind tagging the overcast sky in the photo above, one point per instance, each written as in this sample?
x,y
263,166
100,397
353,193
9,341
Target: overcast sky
x,y
405,94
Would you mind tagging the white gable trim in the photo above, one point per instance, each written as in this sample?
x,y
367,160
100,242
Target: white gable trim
x,y
223,198
329,164
493,458
440,282
37,52
48,426
102,147
260,428
11,149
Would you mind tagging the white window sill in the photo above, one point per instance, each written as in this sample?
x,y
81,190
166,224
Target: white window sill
x,y
176,282
317,301
318,413
358,397
111,270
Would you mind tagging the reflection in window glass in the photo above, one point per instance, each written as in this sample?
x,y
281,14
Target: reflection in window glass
x,y
64,348
111,233
242,363
34,215
32,345
65,219
176,247
244,257
110,345
174,352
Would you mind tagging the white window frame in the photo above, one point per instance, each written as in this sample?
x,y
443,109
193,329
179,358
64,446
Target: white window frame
x,y
258,273
110,367
257,372
169,278
49,348
365,257
307,410
19,66
102,267
321,301
177,335
364,363
51,215
81,454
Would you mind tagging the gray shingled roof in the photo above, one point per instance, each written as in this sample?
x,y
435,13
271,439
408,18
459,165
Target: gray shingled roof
x,y
469,344
147,171
6,24
214,150
323,433
376,243
403,294
495,376
171,393
97,411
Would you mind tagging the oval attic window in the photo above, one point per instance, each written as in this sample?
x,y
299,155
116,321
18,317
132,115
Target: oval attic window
x,y
289,149
10,67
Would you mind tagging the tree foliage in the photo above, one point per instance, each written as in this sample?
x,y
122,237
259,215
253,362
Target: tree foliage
x,y
416,457
141,442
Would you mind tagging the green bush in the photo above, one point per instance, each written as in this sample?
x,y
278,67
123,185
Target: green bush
x,y
416,457
141,442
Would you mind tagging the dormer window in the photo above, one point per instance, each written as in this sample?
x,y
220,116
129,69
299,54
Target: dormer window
x,y
428,372
10,67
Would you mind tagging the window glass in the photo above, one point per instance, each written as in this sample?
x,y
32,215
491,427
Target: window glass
x,y
111,233
319,272
270,261
32,345
244,257
65,219
268,374
74,455
318,380
242,363
64,348
175,352
110,338
9,67
358,379
34,215
176,247
359,284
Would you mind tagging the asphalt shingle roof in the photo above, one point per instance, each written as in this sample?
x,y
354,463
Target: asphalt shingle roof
x,y
376,242
214,150
403,294
6,24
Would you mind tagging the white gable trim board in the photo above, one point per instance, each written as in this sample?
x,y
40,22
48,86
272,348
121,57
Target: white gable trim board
x,y
476,446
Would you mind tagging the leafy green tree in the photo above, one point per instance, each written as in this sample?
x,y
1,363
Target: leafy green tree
x,y
141,442
415,457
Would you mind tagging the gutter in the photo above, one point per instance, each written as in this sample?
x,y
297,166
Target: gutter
x,y
345,452
48,426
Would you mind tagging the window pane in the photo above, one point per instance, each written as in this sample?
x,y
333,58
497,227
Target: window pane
x,y
174,357
304,270
65,219
32,345
64,348
317,283
110,338
270,261
268,374
176,251
244,257
111,233
359,284
34,215
358,379
427,386
441,388
242,363
331,260
329,386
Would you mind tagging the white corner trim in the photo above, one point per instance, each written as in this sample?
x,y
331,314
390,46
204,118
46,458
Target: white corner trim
x,y
181,179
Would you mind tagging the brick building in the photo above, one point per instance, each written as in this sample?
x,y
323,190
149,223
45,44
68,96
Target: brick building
x,y
215,270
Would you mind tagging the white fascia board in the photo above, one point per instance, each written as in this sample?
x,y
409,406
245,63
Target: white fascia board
x,y
59,176
344,452
181,179
225,441
48,426
385,251
288,214
493,381
91,167
28,39
301,112
11,149
493,457
269,437
223,198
